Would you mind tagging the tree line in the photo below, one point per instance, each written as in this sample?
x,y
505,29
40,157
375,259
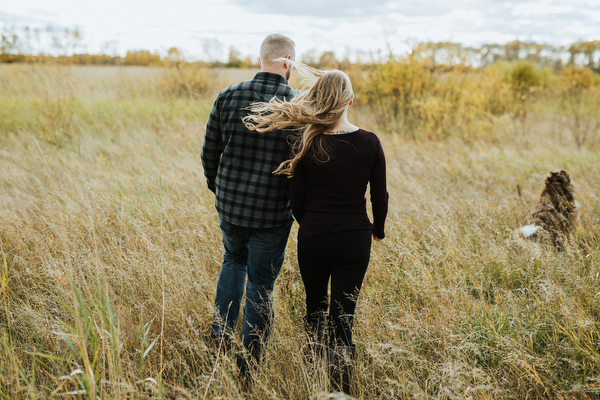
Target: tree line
x,y
66,46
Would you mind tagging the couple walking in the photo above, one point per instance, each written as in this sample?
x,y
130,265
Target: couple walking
x,y
253,128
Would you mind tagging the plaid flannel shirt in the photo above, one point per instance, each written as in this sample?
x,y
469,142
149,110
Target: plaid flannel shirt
x,y
239,163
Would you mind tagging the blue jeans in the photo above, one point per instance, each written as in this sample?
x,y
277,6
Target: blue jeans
x,y
257,254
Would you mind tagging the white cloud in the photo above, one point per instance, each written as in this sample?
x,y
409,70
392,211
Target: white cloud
x,y
341,26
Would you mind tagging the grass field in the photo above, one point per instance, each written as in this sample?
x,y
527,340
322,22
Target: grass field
x,y
110,252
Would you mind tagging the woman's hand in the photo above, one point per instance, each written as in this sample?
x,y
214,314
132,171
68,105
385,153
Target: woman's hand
x,y
377,239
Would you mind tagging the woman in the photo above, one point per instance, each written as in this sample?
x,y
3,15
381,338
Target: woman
x,y
332,165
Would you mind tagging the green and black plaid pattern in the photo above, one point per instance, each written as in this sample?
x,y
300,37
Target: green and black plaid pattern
x,y
239,163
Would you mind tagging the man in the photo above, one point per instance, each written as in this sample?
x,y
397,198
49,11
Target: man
x,y
252,202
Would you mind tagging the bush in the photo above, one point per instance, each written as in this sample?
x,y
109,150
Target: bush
x,y
524,78
579,102
408,95
188,81
395,90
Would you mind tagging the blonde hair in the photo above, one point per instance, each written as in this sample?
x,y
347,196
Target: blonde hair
x,y
276,46
317,110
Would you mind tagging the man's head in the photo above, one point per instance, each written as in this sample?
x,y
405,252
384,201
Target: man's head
x,y
277,46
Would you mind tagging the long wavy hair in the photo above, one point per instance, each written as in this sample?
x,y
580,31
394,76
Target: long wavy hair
x,y
315,111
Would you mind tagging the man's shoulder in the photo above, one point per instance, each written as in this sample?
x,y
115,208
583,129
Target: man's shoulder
x,y
235,87
262,82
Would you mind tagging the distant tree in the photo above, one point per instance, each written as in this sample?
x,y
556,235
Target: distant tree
x,y
524,78
589,50
234,60
141,57
491,53
328,60
580,102
445,53
247,62
77,39
212,49
174,56
512,50
309,57
9,46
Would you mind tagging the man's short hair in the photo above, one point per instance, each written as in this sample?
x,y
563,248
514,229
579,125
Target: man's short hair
x,y
276,46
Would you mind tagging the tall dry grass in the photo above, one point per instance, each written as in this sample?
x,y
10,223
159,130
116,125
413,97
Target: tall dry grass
x,y
110,252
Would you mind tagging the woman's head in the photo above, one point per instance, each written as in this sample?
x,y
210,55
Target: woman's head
x,y
320,105
317,110
330,96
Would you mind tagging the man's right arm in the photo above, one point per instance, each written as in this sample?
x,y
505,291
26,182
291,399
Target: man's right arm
x,y
212,148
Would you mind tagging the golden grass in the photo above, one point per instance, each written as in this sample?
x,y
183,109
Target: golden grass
x,y
110,252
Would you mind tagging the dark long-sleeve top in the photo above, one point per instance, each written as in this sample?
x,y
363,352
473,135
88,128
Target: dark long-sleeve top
x,y
330,196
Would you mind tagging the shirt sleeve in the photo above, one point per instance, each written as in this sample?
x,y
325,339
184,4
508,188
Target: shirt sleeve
x,y
212,148
298,192
379,194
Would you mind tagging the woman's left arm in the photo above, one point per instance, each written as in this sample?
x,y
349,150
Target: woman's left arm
x,y
379,194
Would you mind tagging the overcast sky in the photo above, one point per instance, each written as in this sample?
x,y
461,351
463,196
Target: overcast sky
x,y
209,27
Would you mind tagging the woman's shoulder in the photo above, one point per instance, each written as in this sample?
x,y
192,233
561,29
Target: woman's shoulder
x,y
366,132
370,141
368,135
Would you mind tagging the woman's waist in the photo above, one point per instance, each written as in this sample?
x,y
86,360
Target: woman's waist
x,y
335,218
336,207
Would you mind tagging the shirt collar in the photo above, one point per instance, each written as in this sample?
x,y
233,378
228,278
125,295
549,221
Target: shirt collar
x,y
270,76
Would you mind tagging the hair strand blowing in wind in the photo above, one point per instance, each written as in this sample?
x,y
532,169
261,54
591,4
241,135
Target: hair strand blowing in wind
x,y
315,110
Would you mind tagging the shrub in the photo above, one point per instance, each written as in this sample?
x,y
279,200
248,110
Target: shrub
x,y
524,78
410,96
188,81
395,90
579,101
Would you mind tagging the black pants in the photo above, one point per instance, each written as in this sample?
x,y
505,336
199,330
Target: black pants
x,y
342,257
